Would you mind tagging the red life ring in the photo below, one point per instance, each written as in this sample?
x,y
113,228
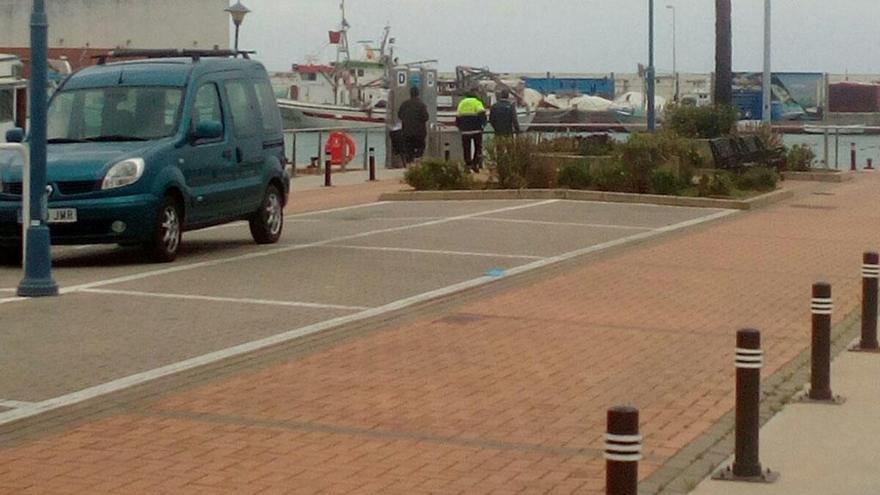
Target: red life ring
x,y
341,148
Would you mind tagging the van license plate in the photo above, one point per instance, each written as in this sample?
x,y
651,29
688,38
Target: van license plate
x,y
58,215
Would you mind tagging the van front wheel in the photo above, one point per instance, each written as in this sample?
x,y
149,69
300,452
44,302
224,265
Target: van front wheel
x,y
267,222
163,247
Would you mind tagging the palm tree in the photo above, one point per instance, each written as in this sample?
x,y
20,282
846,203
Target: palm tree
x,y
723,53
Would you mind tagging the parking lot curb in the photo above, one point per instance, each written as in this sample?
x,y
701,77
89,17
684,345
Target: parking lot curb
x,y
578,195
829,176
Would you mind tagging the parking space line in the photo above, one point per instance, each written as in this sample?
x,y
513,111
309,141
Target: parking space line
x,y
213,357
435,251
266,302
15,404
281,250
561,224
7,290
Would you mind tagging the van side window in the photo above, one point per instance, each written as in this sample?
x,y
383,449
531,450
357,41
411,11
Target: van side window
x,y
268,106
244,115
207,106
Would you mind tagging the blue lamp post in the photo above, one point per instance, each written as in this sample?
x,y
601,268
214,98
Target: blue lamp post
x,y
650,111
37,281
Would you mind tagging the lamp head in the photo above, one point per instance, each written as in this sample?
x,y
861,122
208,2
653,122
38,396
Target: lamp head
x,y
237,11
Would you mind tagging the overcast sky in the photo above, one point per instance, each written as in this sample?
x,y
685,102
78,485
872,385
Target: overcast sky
x,y
834,36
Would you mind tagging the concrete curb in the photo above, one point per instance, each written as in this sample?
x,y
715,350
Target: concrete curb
x,y
579,195
831,176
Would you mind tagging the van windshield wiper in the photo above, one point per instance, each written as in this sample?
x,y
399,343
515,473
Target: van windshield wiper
x,y
64,140
114,137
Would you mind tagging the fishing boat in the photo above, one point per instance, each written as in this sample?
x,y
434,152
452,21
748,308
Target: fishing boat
x,y
12,94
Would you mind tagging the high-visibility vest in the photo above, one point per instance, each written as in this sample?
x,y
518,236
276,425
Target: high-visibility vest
x,y
470,106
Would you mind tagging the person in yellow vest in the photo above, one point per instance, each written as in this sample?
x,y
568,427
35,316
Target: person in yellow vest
x,y
470,119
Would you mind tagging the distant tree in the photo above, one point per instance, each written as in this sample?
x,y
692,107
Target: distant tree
x,y
723,53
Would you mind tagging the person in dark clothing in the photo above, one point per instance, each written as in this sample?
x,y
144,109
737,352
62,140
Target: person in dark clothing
x,y
413,115
502,115
470,119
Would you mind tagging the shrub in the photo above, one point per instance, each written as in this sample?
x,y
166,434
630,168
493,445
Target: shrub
x,y
542,174
509,159
799,157
717,184
597,145
701,122
611,178
757,179
665,182
432,175
570,145
575,176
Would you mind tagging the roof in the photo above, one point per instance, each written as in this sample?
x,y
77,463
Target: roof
x,y
172,72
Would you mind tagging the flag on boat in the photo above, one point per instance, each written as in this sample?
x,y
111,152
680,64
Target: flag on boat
x,y
335,37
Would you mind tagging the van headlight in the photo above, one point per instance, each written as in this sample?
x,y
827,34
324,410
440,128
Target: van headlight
x,y
124,173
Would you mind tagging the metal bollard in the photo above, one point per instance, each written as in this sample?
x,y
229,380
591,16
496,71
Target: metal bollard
x,y
746,464
446,153
623,451
852,156
328,171
870,275
870,165
822,307
372,164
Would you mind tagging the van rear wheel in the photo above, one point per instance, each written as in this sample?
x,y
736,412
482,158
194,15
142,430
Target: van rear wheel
x,y
267,222
165,243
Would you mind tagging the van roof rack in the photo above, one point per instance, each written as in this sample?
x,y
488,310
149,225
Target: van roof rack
x,y
195,55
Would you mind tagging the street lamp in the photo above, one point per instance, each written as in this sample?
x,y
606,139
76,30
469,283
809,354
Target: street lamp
x,y
651,110
767,103
674,65
38,281
237,11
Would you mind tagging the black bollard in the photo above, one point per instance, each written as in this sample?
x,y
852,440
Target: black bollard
x,y
870,274
446,153
852,156
822,307
372,164
746,464
623,451
328,171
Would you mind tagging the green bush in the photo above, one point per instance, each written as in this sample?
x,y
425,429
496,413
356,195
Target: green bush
x,y
433,175
542,174
565,144
596,145
665,182
701,122
575,176
799,157
613,178
509,159
757,179
717,184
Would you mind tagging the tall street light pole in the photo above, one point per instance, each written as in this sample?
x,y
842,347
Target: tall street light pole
x,y
37,281
237,11
651,113
674,58
767,114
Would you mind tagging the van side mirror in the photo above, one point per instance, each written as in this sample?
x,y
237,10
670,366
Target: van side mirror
x,y
209,129
15,135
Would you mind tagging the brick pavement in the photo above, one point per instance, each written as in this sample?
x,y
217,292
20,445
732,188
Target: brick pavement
x,y
504,394
321,198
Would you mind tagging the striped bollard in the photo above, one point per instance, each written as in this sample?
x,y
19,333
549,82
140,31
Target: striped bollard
x,y
870,275
822,307
746,464
328,171
623,451
372,164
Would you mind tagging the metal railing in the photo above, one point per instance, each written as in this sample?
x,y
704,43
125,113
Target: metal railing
x,y
291,136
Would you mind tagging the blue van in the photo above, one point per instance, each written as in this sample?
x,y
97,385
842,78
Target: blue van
x,y
140,151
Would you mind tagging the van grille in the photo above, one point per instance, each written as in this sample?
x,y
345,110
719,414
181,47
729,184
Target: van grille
x,y
67,188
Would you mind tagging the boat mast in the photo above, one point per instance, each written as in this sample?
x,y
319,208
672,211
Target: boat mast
x,y
341,50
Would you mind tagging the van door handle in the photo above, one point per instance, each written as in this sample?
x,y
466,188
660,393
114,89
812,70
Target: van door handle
x,y
227,154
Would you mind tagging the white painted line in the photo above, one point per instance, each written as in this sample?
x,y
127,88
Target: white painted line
x,y
146,376
280,250
433,251
8,290
15,404
335,210
561,224
267,302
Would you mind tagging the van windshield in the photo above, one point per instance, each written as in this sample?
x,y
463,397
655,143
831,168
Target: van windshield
x,y
114,114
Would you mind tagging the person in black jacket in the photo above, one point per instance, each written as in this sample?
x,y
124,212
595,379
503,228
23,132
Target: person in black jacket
x,y
502,115
413,115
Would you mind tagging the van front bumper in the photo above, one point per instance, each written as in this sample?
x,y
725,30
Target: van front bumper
x,y
94,220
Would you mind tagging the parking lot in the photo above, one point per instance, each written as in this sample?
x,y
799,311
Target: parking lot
x,y
121,321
